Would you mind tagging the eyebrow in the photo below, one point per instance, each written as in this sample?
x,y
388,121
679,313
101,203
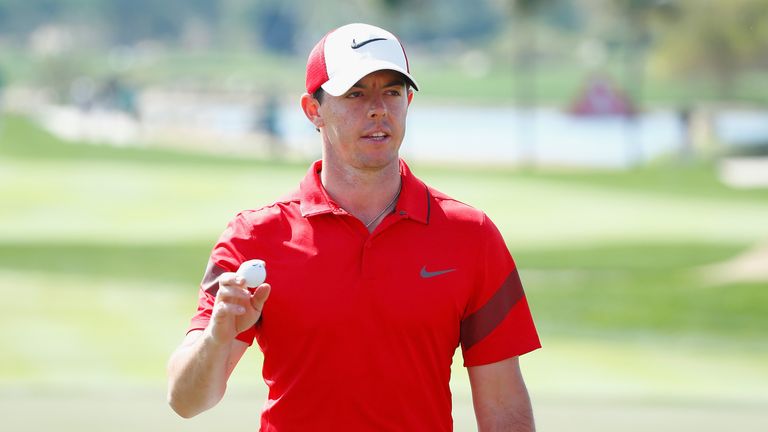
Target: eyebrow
x,y
393,83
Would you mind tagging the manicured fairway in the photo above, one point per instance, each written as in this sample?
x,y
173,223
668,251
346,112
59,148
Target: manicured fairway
x,y
101,251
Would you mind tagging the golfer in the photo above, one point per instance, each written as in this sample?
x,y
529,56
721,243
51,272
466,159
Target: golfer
x,y
373,278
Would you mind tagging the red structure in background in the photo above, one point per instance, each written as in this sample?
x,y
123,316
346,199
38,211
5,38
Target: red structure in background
x,y
601,97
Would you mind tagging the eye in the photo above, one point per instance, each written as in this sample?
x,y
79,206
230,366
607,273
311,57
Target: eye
x,y
354,94
394,92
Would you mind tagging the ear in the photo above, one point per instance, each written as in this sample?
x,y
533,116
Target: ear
x,y
311,108
410,96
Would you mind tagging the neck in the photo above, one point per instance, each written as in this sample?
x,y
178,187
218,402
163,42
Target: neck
x,y
363,193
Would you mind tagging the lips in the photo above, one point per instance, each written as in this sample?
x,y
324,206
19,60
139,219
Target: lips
x,y
377,136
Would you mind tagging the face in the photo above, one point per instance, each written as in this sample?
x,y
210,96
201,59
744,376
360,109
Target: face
x,y
363,128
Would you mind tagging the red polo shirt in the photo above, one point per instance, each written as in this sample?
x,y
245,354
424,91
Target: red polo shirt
x,y
360,329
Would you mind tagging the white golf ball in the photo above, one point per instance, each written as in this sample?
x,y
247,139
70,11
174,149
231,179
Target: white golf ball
x,y
254,272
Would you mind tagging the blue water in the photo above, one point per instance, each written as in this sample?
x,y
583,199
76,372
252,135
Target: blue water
x,y
542,136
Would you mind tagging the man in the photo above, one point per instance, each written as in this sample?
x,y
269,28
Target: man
x,y
374,277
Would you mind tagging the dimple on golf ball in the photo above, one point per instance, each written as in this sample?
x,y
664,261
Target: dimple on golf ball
x,y
254,272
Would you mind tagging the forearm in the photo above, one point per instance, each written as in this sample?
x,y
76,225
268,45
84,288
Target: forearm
x,y
500,397
511,417
199,369
197,375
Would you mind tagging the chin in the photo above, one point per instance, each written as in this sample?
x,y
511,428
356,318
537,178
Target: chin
x,y
379,161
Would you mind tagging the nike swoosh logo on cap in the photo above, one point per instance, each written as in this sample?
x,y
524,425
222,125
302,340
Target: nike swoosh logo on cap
x,y
430,274
356,45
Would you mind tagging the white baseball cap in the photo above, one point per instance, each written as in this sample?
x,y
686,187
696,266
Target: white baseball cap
x,y
345,55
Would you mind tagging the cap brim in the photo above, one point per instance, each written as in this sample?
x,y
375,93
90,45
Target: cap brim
x,y
342,82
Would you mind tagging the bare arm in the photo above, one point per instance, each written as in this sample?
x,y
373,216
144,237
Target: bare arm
x,y
500,397
198,372
199,368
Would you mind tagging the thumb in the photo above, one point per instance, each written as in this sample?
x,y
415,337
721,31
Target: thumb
x,y
259,296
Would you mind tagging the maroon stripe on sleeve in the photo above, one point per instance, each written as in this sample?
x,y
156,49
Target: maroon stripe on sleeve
x,y
210,283
482,322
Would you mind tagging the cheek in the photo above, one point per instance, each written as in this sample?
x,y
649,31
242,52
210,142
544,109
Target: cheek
x,y
400,114
340,124
399,110
341,117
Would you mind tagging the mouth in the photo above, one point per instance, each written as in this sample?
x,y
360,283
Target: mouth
x,y
376,136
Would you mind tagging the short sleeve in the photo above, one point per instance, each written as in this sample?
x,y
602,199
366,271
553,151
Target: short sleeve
x,y
226,256
497,323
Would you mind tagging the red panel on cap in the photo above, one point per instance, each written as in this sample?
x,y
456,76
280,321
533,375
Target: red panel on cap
x,y
317,73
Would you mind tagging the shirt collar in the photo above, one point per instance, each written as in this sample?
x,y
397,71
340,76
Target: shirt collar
x,y
414,202
313,196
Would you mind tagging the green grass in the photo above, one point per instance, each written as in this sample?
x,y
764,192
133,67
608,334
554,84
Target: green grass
x,y
653,302
21,139
603,251
102,248
640,289
551,83
697,179
169,263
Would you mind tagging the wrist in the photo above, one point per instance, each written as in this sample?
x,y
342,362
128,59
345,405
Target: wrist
x,y
212,340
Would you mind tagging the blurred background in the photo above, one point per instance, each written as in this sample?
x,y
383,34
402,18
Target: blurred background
x,y
620,145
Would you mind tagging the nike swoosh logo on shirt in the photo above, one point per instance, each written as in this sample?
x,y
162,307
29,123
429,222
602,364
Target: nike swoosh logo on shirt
x,y
430,274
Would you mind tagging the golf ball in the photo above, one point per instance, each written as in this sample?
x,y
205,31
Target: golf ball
x,y
254,272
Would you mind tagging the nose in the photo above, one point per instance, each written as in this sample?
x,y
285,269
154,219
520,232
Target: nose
x,y
377,108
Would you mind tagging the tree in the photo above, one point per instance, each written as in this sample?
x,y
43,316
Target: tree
x,y
275,23
636,34
524,16
716,38
131,21
637,38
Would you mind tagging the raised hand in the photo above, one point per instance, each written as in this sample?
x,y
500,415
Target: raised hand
x,y
236,307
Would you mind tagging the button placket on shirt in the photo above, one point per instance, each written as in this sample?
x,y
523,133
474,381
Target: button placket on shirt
x,y
367,261
369,266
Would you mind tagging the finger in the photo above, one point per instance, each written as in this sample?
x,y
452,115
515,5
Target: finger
x,y
231,287
259,297
223,310
230,279
232,294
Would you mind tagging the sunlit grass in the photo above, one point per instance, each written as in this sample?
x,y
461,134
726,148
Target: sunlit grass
x,y
101,251
554,82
